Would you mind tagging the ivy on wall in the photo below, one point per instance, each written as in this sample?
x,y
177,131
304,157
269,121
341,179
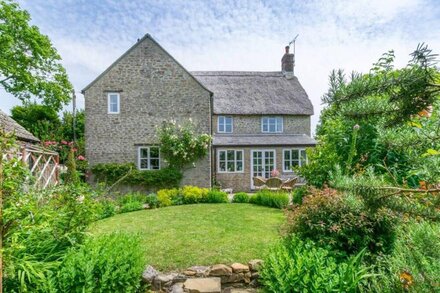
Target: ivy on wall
x,y
129,174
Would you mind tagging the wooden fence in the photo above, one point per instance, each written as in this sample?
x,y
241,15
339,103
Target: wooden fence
x,y
43,165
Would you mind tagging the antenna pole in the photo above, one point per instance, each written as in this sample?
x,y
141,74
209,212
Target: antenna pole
x,y
74,116
294,53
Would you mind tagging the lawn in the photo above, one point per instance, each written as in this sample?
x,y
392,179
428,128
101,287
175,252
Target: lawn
x,y
181,236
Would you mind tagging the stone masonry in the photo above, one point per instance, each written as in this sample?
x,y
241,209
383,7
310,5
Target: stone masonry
x,y
219,278
251,124
153,87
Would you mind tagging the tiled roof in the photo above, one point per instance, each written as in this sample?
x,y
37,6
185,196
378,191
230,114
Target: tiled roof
x,y
263,140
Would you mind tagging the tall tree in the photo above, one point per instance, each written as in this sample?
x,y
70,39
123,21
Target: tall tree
x,y
386,119
41,120
29,64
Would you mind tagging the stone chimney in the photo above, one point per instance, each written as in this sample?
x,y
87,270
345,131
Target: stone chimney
x,y
287,63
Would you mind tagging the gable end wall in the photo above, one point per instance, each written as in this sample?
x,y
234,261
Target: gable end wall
x,y
153,88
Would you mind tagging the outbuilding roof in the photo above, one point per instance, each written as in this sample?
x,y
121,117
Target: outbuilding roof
x,y
10,125
262,140
245,92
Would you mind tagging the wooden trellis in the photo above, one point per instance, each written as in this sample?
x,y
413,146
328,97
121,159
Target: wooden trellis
x,y
43,165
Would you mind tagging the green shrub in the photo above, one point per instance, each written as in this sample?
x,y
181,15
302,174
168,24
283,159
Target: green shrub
x,y
110,263
42,226
154,179
217,196
194,194
300,266
152,201
131,202
131,206
190,195
343,223
167,197
71,176
298,194
131,197
105,208
241,197
274,199
416,254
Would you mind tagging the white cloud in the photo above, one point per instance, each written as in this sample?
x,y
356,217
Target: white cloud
x,y
239,35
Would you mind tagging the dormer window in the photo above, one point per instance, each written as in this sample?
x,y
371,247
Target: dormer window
x,y
225,124
113,103
272,124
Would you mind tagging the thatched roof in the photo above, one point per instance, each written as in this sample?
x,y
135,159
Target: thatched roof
x,y
263,139
239,92
10,125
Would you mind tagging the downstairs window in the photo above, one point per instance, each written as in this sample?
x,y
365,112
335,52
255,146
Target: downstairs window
x,y
293,158
149,158
230,161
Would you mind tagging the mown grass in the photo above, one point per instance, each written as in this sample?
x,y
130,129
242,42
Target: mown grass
x,y
181,236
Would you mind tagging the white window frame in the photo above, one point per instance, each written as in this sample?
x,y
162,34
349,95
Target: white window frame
x,y
291,160
226,160
148,157
276,124
109,111
224,125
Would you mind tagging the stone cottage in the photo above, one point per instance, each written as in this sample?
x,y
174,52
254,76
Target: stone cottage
x,y
259,121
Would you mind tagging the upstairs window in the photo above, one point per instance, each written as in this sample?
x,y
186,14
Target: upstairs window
x,y
224,124
230,161
272,124
293,158
113,103
149,158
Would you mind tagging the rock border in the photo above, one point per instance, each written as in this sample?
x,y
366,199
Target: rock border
x,y
236,275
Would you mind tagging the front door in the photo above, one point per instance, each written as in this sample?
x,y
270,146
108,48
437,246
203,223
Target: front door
x,y
262,162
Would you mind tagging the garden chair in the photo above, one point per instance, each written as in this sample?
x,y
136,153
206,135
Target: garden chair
x,y
274,183
259,182
289,184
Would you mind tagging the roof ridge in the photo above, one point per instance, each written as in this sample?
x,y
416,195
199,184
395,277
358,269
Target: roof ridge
x,y
237,73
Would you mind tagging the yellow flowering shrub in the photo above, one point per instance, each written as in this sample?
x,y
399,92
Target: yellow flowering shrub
x,y
167,197
194,194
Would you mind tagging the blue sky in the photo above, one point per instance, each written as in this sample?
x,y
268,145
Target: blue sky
x,y
237,35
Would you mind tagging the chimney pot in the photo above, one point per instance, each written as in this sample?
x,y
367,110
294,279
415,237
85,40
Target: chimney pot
x,y
287,62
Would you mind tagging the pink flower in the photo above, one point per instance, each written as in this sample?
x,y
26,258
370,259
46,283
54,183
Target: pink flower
x,y
81,158
64,142
48,143
275,173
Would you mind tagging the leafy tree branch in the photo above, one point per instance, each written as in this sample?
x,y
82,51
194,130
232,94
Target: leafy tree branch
x,y
30,67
